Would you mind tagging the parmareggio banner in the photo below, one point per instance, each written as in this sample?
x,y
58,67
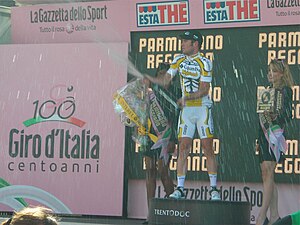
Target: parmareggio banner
x,y
57,120
240,57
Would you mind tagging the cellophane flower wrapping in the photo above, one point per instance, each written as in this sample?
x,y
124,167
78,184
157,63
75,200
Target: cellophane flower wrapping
x,y
131,105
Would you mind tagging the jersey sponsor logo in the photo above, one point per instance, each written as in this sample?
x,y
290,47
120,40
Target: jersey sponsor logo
x,y
184,130
216,11
203,131
162,13
190,71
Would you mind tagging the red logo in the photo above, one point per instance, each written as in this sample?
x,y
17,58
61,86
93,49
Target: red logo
x,y
225,11
162,13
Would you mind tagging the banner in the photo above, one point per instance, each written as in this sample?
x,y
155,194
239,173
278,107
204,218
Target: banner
x,y
110,21
240,69
61,144
207,14
71,23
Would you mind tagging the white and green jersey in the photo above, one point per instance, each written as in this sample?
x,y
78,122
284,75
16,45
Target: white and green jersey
x,y
192,71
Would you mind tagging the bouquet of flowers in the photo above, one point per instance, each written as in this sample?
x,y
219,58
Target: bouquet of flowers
x,y
131,104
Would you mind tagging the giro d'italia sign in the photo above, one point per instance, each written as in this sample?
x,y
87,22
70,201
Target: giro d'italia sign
x,y
55,142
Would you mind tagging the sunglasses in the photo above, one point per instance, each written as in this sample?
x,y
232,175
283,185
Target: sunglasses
x,y
281,62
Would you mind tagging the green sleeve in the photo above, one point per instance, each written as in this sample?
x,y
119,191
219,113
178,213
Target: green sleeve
x,y
295,218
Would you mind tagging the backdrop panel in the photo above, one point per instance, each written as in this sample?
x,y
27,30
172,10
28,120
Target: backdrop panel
x,y
61,144
240,68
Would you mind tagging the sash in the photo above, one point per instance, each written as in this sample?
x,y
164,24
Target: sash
x,y
161,127
128,111
274,135
167,97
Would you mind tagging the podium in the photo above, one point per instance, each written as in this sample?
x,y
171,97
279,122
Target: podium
x,y
196,212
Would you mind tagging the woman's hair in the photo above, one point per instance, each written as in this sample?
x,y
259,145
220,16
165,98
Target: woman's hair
x,y
282,66
32,216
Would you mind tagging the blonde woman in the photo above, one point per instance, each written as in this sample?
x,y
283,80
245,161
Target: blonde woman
x,y
32,216
271,141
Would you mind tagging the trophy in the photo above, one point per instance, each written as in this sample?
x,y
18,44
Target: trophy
x,y
269,100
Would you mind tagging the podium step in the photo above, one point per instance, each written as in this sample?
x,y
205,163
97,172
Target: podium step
x,y
196,212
